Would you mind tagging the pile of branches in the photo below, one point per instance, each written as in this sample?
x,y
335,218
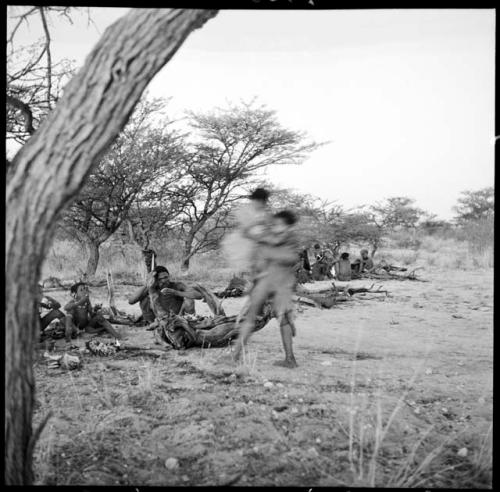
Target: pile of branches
x,y
54,283
388,273
182,332
327,298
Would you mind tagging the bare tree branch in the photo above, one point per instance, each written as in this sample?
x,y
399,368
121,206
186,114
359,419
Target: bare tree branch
x,y
22,17
25,109
49,56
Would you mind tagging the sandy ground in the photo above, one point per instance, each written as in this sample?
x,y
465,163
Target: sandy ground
x,y
424,355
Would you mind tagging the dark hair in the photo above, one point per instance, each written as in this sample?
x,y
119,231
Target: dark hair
x,y
74,287
160,269
344,256
317,246
259,194
288,216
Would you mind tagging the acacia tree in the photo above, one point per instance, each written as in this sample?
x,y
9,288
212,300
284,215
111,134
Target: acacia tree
x,y
314,214
327,222
150,219
475,205
48,173
397,212
229,147
145,153
359,225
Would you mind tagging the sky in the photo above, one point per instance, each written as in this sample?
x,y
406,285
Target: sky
x,y
405,98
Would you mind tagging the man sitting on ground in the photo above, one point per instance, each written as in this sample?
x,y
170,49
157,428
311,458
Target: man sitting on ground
x,y
366,262
155,304
324,262
363,264
82,316
343,268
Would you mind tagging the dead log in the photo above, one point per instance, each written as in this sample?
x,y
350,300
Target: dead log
x,y
383,274
120,321
306,300
351,291
327,298
217,331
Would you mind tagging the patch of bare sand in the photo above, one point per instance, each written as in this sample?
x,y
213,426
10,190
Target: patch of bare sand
x,y
425,350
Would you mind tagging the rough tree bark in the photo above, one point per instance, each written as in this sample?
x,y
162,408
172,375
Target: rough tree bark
x,y
47,174
93,257
142,240
187,253
149,256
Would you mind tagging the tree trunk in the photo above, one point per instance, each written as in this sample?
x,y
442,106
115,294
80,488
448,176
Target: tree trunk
x,y
147,255
111,293
187,255
47,174
93,257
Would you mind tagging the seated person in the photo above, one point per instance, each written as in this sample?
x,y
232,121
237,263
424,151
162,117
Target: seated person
x,y
81,316
155,304
46,302
367,264
364,263
328,258
325,260
343,268
304,257
317,251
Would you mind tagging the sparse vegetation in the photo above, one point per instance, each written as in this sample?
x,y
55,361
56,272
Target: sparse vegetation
x,y
394,405
399,407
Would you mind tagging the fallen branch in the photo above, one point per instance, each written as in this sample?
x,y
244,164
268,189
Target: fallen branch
x,y
120,321
360,290
326,298
219,330
66,284
385,275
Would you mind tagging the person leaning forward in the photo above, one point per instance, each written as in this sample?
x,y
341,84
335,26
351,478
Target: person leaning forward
x,y
82,316
161,296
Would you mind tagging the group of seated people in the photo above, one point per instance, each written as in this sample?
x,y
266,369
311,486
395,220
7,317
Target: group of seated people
x,y
343,269
79,315
156,298
160,296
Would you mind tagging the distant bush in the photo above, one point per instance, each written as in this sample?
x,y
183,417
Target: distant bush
x,y
433,227
479,234
406,239
467,246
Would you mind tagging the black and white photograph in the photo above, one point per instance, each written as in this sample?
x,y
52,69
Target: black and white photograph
x,y
249,247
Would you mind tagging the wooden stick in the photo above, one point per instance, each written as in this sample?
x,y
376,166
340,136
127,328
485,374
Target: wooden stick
x,y
111,293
